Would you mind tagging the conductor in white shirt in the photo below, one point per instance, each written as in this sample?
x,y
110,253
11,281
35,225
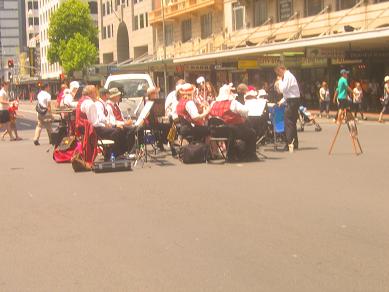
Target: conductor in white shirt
x,y
291,98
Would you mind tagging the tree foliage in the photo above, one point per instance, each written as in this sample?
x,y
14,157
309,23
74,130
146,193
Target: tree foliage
x,y
72,19
78,54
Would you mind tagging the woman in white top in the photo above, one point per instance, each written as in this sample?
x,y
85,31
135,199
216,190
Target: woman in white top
x,y
4,107
324,99
357,100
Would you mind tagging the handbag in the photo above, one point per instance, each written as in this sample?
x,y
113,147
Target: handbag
x,y
194,153
67,143
79,164
40,109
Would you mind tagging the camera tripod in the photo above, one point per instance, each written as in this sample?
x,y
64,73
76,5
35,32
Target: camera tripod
x,y
347,117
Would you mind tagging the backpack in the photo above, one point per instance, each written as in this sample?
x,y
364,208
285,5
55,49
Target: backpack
x,y
194,153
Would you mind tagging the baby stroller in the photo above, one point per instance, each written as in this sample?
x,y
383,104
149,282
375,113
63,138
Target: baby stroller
x,y
305,117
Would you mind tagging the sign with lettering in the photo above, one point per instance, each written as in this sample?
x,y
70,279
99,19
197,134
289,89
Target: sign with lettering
x,y
383,54
325,53
268,61
196,68
313,62
247,64
343,61
285,9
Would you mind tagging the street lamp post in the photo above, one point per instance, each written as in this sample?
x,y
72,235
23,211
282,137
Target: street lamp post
x,y
164,47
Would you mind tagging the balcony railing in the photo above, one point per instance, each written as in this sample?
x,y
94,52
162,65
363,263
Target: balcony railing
x,y
178,8
361,18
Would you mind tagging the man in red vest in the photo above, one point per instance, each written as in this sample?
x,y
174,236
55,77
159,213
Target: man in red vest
x,y
192,122
87,109
234,115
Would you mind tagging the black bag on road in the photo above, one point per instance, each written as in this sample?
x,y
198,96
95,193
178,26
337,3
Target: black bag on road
x,y
194,153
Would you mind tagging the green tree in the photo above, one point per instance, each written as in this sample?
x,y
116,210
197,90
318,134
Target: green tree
x,y
72,19
79,53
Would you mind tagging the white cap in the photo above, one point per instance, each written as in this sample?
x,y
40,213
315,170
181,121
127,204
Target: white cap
x,y
74,85
386,78
67,91
200,80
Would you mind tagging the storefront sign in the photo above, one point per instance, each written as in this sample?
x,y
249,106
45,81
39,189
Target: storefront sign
x,y
325,53
285,8
268,61
313,62
383,54
343,61
197,68
247,64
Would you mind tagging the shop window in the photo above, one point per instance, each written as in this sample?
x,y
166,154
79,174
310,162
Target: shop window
x,y
169,34
186,30
206,25
238,16
313,7
285,9
141,21
136,23
93,7
260,12
346,4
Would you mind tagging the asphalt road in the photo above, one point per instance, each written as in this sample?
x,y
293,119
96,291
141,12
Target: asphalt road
x,y
302,221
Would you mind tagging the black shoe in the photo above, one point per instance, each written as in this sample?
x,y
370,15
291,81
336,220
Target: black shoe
x,y
36,143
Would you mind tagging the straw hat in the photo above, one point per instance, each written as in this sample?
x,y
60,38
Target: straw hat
x,y
113,92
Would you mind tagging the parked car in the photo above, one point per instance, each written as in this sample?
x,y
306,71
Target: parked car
x,y
133,87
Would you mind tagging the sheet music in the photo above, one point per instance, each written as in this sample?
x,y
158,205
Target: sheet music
x,y
144,113
255,107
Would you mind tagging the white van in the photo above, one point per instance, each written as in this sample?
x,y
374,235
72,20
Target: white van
x,y
133,87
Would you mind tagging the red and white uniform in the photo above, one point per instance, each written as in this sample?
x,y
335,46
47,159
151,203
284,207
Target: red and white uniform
x,y
188,110
115,116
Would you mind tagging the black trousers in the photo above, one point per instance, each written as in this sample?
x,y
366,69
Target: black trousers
x,y
291,116
246,134
199,133
258,124
121,137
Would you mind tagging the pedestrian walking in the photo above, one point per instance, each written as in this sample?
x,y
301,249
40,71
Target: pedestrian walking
x,y
357,100
43,109
291,97
384,99
324,99
13,107
4,109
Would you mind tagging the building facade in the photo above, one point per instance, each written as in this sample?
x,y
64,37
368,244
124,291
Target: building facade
x,y
12,36
234,41
125,34
46,9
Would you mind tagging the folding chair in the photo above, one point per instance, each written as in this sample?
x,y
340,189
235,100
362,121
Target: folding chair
x,y
278,114
220,133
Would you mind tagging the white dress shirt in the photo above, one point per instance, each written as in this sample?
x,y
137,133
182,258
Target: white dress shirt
x,y
101,107
192,110
111,116
171,105
68,100
288,86
44,98
89,108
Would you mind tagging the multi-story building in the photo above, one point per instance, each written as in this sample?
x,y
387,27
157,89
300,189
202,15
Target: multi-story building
x,y
12,37
46,9
125,33
243,40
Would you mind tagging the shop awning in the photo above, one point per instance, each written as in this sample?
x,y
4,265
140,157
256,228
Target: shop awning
x,y
320,41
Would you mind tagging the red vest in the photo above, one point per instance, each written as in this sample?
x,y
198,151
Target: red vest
x,y
116,111
183,113
81,118
221,109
